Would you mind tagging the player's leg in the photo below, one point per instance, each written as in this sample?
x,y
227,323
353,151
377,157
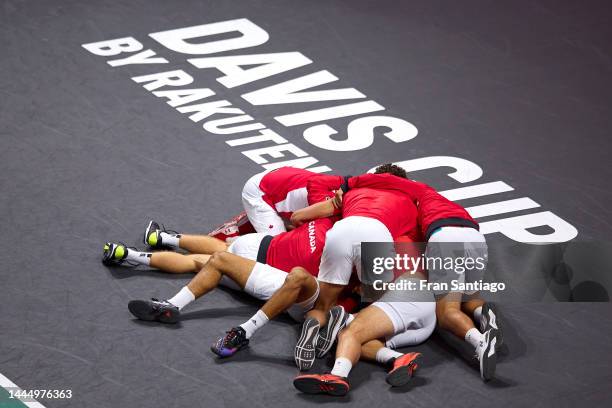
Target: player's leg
x,y
299,286
173,262
400,366
340,254
157,237
451,318
485,315
294,292
414,320
166,261
232,268
419,322
370,350
466,243
298,295
403,318
473,307
370,324
343,245
334,273
220,264
201,244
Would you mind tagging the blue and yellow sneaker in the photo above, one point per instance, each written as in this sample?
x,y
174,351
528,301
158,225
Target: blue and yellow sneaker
x,y
228,345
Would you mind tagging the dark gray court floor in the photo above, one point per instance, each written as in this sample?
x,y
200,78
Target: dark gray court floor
x,y
521,88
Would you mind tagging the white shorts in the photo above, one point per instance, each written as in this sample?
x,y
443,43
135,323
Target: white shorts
x,y
247,246
263,217
413,322
342,248
456,242
264,280
413,314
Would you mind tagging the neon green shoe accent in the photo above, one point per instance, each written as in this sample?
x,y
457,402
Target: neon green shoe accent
x,y
152,239
106,247
119,252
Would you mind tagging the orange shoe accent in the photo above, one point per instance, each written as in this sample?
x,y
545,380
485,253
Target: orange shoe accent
x,y
321,384
403,369
406,360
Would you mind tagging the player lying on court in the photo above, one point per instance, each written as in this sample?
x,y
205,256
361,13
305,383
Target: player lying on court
x,y
395,320
435,214
258,264
270,198
369,215
293,291
172,262
450,231
187,243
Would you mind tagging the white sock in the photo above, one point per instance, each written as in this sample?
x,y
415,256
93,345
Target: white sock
x,y
478,314
171,240
349,319
342,367
385,354
142,258
474,337
256,322
182,298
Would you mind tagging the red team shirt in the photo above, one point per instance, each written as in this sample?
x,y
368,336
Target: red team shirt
x,y
384,197
394,208
285,189
302,246
434,210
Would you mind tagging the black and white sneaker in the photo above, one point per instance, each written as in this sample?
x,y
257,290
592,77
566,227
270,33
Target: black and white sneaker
x,y
151,235
115,253
304,353
155,310
486,355
336,320
490,320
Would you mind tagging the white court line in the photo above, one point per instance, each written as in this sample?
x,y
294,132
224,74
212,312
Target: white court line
x,y
6,383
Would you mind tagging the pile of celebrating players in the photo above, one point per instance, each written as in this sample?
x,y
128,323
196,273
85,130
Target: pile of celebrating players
x,y
303,258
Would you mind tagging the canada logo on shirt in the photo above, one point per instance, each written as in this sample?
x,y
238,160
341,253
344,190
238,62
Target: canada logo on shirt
x,y
311,236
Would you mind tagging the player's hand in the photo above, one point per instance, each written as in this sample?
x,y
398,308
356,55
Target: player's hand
x,y
296,219
337,200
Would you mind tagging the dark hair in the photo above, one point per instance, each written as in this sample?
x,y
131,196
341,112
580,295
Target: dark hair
x,y
391,169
